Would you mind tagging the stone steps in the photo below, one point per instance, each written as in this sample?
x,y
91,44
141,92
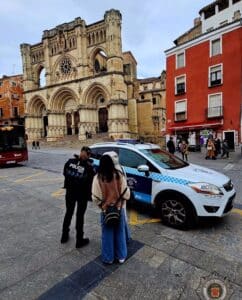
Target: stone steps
x,y
71,141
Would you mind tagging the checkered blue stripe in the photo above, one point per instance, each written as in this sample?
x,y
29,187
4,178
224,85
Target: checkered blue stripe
x,y
158,177
154,176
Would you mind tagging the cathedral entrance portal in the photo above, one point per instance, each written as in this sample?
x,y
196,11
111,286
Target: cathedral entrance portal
x,y
45,122
68,124
76,121
103,119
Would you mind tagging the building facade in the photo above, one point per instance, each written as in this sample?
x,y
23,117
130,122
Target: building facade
x,y
11,100
204,76
151,107
78,80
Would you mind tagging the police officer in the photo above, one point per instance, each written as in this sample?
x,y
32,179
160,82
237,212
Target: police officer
x,y
78,173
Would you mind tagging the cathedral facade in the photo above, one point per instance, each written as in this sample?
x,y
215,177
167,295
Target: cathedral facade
x,y
77,80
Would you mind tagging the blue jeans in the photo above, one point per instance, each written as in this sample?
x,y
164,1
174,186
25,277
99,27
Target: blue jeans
x,y
114,245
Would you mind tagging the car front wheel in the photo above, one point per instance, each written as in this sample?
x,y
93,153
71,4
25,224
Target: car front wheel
x,y
177,213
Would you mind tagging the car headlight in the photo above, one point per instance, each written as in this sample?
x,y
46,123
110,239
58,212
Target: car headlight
x,y
206,188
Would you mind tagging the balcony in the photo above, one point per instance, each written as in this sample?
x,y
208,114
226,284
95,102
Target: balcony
x,y
215,82
214,112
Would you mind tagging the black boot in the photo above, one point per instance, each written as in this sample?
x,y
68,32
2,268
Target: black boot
x,y
82,242
64,237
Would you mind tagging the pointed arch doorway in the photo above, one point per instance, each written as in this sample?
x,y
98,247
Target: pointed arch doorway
x,y
103,119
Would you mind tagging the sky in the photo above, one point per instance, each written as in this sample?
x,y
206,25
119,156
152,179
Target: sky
x,y
149,27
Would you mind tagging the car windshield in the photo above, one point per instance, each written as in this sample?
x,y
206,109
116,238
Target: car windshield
x,y
164,159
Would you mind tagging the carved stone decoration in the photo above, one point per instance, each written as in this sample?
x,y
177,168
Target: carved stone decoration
x,y
65,66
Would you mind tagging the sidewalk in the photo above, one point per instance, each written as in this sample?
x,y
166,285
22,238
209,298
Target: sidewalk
x,y
163,263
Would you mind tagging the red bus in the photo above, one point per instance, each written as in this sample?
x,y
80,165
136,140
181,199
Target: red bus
x,y
13,146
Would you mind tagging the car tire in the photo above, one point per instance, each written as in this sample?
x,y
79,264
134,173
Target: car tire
x,y
177,212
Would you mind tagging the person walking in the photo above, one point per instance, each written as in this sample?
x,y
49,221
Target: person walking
x,y
33,145
184,150
210,149
217,144
225,148
79,174
108,185
171,146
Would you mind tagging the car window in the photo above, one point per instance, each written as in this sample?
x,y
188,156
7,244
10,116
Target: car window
x,y
164,159
98,152
129,158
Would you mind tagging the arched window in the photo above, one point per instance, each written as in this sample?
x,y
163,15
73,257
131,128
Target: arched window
x,y
42,79
97,66
100,62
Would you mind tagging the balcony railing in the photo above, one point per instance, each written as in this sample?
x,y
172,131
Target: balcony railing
x,y
214,112
181,116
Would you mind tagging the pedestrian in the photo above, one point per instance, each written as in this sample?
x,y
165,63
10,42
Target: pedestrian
x,y
118,167
33,145
171,146
217,144
37,145
79,174
210,149
108,185
225,148
184,150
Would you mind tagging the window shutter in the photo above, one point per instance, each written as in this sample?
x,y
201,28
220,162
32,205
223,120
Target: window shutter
x,y
216,47
215,100
180,106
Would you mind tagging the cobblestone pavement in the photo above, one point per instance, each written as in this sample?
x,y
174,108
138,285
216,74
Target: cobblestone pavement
x,y
163,263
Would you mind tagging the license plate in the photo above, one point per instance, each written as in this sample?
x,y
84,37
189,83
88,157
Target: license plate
x,y
11,162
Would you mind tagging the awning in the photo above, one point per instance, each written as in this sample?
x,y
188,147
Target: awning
x,y
196,126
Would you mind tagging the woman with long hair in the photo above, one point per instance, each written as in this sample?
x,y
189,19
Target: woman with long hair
x,y
108,185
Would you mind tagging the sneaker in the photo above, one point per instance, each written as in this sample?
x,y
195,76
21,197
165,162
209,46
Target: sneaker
x,y
64,238
82,243
121,261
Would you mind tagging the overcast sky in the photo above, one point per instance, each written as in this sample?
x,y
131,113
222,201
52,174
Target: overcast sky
x,y
148,27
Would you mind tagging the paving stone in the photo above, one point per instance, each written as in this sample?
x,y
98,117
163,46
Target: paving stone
x,y
188,254
218,265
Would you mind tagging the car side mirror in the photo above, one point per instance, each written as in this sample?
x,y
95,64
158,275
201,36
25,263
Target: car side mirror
x,y
144,168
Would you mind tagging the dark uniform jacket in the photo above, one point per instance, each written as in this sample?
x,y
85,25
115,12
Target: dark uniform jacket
x,y
78,177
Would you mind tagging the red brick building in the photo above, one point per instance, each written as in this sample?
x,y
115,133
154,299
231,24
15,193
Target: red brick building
x,y
204,76
11,100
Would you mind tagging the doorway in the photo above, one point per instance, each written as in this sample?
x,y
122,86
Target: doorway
x,y
45,121
68,124
229,136
76,121
103,119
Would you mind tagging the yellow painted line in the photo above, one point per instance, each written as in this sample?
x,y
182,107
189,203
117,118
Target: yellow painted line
x,y
58,193
133,219
28,177
237,211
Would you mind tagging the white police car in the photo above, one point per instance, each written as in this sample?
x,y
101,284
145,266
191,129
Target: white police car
x,y
180,191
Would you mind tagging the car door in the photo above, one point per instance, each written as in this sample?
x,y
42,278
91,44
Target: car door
x,y
97,153
139,182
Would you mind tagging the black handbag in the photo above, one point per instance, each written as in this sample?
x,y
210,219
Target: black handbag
x,y
112,213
